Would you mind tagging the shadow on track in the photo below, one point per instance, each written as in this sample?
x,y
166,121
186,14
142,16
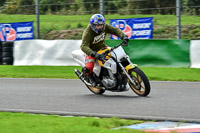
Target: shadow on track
x,y
113,96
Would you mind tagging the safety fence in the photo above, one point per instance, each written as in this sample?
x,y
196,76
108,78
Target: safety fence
x,y
67,15
152,53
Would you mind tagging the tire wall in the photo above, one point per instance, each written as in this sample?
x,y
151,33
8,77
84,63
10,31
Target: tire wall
x,y
6,53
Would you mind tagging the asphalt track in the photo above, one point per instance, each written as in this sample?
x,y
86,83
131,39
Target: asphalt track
x,y
175,101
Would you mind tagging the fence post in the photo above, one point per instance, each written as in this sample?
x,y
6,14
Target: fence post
x,y
37,11
102,7
178,14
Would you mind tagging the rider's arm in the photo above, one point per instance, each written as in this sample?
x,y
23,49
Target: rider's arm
x,y
114,30
85,46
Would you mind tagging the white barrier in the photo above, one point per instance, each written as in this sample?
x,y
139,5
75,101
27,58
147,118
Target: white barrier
x,y
195,54
58,52
44,52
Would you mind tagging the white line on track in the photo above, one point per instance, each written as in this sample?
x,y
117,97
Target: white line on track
x,y
63,113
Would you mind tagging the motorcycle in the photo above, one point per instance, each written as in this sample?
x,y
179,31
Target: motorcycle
x,y
115,72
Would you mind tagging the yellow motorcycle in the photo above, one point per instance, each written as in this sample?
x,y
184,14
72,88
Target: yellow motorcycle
x,y
115,72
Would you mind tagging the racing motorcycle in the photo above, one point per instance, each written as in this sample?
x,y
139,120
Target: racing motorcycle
x,y
115,72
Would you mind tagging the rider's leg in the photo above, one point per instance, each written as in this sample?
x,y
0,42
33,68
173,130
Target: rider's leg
x,y
90,65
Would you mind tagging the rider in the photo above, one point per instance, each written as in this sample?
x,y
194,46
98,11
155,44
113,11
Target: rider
x,y
93,40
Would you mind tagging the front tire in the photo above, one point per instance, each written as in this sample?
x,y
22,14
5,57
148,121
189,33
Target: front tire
x,y
142,87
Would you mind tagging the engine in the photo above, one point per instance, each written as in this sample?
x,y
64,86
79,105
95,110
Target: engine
x,y
109,81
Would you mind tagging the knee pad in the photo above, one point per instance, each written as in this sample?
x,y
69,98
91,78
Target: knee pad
x,y
89,67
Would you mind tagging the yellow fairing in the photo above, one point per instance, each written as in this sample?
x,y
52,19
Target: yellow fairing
x,y
101,63
130,66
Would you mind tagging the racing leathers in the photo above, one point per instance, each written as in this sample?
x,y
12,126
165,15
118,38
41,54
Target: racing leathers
x,y
93,42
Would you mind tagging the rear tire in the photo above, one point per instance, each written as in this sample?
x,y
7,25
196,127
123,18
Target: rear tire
x,y
142,83
96,90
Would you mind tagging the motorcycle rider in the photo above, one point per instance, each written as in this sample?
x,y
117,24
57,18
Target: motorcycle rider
x,y
93,39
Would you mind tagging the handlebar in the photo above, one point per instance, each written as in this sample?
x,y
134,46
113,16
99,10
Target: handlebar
x,y
108,51
121,44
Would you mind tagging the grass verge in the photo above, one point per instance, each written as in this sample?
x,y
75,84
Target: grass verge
x,y
62,20
67,72
31,123
164,25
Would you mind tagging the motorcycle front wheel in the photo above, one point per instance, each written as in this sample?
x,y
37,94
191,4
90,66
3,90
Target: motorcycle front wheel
x,y
96,90
142,85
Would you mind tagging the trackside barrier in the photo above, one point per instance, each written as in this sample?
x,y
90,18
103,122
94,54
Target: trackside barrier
x,y
6,53
163,53
195,53
45,52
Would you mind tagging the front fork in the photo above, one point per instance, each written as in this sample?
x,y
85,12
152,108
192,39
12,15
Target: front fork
x,y
130,66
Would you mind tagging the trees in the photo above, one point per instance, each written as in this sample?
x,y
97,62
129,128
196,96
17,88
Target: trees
x,y
2,2
26,6
194,4
167,6
92,6
152,7
9,7
50,6
147,4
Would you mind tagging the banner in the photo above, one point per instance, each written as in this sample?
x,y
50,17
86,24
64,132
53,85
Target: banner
x,y
157,53
16,31
135,28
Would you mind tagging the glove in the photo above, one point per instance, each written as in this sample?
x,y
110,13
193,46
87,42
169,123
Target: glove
x,y
96,56
125,40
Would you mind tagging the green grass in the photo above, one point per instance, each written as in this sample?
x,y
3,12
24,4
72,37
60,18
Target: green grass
x,y
172,74
67,72
61,22
9,71
31,123
74,20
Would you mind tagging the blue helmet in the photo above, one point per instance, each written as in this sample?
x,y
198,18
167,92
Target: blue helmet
x,y
97,19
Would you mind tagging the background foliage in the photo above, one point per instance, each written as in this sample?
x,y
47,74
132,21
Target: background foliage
x,y
111,6
59,18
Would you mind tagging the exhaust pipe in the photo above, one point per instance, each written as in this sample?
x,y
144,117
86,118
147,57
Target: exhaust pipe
x,y
78,73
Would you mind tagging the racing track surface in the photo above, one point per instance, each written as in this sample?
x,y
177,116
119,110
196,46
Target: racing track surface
x,y
176,101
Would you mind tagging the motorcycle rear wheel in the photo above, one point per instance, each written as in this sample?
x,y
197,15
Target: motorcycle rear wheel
x,y
96,90
142,87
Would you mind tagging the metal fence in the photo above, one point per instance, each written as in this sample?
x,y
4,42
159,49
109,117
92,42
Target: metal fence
x,y
176,29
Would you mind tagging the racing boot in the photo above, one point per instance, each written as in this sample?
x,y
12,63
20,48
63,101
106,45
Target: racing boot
x,y
90,77
92,80
85,71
